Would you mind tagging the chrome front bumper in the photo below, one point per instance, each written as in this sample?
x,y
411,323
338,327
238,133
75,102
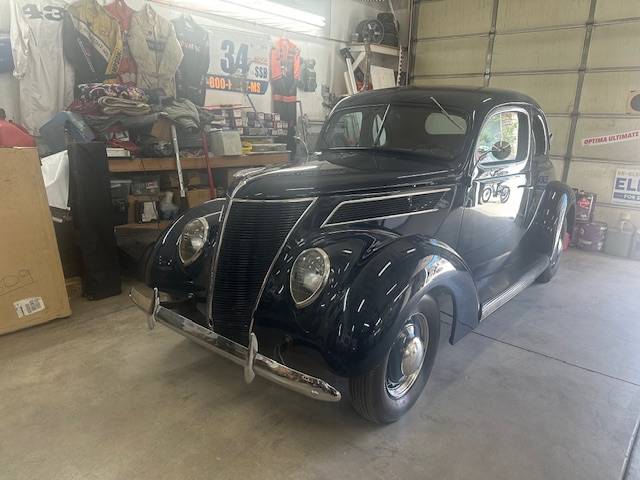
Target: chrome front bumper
x,y
253,362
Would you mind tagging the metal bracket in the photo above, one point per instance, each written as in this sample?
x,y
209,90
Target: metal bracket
x,y
151,318
252,350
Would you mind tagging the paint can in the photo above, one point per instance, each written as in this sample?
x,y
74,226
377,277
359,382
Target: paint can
x,y
573,236
592,236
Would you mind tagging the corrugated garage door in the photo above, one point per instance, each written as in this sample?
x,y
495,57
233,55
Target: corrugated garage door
x,y
579,58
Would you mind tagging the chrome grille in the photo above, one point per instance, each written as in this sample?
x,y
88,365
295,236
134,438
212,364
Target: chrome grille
x,y
252,237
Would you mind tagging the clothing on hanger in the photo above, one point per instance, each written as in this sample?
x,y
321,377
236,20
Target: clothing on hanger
x,y
285,75
190,77
46,78
92,41
123,13
155,49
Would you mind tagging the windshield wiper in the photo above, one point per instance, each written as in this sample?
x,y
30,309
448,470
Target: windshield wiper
x,y
446,114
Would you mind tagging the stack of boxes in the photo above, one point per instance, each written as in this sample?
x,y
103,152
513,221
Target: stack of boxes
x,y
257,130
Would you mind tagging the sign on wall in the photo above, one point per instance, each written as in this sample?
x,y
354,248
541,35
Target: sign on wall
x,y
626,187
613,138
239,62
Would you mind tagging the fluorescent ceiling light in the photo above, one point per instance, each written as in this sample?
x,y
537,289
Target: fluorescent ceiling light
x,y
262,12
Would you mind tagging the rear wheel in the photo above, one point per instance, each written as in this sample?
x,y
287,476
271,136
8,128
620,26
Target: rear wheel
x,y
388,391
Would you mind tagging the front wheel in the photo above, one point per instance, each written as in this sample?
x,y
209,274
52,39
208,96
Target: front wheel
x,y
388,391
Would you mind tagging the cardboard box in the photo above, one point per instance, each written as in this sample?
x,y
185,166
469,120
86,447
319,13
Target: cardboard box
x,y
32,286
197,197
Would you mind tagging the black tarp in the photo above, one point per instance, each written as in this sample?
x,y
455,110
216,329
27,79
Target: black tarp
x,y
90,199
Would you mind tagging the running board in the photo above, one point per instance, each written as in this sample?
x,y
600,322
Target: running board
x,y
490,306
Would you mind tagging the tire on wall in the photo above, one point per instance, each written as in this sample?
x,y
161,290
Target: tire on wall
x,y
375,394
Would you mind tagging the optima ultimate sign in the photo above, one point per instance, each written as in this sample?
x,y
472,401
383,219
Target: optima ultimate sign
x,y
626,187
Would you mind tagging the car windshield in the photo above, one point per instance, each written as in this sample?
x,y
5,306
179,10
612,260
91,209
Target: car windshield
x,y
424,131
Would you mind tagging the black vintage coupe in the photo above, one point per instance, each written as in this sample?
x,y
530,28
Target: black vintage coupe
x,y
414,195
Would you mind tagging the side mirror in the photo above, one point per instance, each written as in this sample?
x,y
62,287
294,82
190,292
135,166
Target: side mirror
x,y
500,150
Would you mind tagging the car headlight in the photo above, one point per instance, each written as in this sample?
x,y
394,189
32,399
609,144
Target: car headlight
x,y
309,275
192,241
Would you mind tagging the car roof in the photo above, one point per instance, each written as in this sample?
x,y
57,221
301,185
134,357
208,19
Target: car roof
x,y
465,98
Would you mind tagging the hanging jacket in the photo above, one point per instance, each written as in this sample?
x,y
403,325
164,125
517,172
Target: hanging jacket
x,y
123,13
285,75
92,41
190,77
155,49
285,70
46,79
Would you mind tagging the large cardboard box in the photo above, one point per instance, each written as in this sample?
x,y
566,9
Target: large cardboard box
x,y
32,287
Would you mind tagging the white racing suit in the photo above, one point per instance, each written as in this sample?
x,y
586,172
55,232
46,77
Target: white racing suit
x,y
46,79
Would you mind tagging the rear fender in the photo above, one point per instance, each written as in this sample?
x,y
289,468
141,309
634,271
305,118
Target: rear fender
x,y
557,204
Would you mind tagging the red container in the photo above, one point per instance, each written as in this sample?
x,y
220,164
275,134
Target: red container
x,y
591,236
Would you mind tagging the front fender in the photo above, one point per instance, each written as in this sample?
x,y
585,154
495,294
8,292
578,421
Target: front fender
x,y
163,269
375,279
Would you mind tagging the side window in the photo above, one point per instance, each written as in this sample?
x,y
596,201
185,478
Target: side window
x,y
346,132
377,123
504,138
540,135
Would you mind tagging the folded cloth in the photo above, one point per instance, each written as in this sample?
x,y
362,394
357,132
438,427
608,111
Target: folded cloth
x,y
102,123
91,92
183,113
117,106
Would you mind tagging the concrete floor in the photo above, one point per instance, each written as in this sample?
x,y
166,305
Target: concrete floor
x,y
548,387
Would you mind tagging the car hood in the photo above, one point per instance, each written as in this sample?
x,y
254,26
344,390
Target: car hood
x,y
331,173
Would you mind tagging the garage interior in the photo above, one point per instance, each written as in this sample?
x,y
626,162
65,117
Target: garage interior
x,y
548,386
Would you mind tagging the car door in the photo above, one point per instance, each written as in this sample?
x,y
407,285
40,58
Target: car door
x,y
498,198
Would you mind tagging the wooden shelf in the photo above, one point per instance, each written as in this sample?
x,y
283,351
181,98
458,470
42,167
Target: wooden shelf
x,y
166,164
375,48
144,226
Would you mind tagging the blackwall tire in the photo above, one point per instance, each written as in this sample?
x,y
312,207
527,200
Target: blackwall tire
x,y
369,392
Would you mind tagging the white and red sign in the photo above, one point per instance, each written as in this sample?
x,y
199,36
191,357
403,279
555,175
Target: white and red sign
x,y
613,138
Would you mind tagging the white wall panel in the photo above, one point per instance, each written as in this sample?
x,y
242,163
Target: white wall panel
x,y
451,56
558,166
559,127
552,50
437,18
608,92
615,45
448,81
621,151
616,9
522,14
554,92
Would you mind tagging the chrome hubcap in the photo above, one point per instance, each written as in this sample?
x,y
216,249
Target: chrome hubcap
x,y
407,356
